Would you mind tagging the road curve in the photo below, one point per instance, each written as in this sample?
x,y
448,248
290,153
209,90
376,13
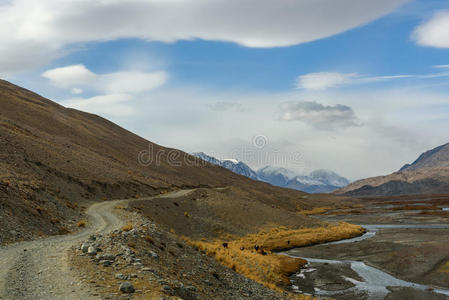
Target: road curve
x,y
39,269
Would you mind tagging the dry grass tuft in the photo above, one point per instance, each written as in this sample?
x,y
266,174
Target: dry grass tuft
x,y
444,268
149,239
128,227
315,211
81,223
253,255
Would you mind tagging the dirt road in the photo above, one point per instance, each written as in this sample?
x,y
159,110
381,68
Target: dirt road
x,y
39,269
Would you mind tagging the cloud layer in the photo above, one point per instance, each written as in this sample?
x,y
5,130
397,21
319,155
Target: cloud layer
x,y
324,117
78,76
116,89
35,32
324,80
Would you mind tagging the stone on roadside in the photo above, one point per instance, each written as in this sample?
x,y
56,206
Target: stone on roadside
x,y
121,276
92,250
127,287
105,263
85,247
153,254
106,256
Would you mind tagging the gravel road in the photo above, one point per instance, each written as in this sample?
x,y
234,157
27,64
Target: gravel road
x,y
39,269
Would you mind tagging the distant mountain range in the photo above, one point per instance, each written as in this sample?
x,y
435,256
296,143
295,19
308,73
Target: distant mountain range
x,y
318,181
429,174
230,164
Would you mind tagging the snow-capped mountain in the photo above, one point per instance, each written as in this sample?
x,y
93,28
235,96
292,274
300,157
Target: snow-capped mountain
x,y
230,164
275,175
318,181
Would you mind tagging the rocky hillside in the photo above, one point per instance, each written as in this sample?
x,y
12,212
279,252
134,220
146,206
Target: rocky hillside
x,y
429,174
435,158
55,161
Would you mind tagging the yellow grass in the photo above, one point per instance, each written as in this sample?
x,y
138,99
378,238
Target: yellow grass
x,y
283,238
81,223
264,266
128,227
444,268
315,211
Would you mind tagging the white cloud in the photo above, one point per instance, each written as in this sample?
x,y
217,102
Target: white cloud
x,y
434,32
226,106
441,66
35,32
125,82
109,105
131,81
70,76
323,117
117,90
76,91
324,80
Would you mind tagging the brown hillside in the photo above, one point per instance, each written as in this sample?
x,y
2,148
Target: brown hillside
x,y
54,159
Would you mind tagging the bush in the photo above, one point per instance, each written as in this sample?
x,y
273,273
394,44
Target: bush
x,y
81,223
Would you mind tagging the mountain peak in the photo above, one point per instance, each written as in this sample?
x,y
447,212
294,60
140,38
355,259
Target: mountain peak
x,y
429,174
437,157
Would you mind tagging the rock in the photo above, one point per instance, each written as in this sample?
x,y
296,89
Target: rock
x,y
133,275
120,276
92,238
153,254
191,288
92,250
106,263
85,247
166,289
106,256
127,287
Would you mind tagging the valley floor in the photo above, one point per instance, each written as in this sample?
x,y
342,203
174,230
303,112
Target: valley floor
x,y
406,245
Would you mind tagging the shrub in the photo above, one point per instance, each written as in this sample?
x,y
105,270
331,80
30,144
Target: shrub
x,y
81,223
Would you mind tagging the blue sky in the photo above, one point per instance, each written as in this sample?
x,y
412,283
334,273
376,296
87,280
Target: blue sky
x,y
378,48
344,85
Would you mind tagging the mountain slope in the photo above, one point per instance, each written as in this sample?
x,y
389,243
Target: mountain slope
x,y
55,161
429,174
435,158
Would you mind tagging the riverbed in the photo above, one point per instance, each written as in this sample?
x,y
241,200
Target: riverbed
x,y
407,258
